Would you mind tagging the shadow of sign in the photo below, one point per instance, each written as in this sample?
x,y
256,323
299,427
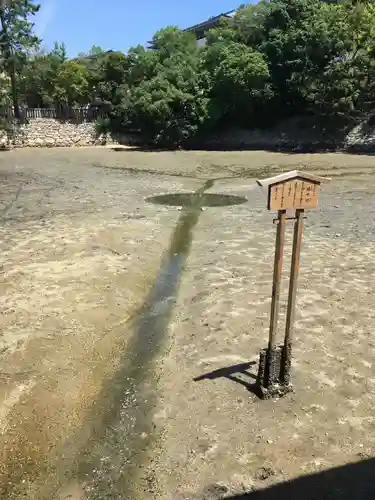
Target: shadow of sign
x,y
239,374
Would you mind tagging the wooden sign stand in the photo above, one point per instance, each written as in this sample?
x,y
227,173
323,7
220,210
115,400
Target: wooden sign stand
x,y
295,191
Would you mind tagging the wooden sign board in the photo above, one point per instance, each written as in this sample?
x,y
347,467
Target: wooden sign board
x,y
292,190
293,194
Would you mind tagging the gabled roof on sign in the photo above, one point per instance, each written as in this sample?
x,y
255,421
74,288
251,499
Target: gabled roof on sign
x,y
294,174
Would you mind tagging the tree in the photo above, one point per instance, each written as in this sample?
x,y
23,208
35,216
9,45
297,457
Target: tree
x,y
273,60
58,54
345,88
168,109
94,60
142,64
171,41
313,49
71,84
282,30
108,77
239,81
95,52
16,39
5,102
38,78
163,97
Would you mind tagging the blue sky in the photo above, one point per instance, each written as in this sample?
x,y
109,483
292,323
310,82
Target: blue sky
x,y
118,24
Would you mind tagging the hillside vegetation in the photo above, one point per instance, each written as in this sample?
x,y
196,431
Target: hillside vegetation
x,y
272,61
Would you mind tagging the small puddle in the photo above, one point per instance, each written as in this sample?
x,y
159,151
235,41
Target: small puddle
x,y
192,199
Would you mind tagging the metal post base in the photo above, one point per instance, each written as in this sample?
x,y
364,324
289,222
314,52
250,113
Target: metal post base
x,y
273,379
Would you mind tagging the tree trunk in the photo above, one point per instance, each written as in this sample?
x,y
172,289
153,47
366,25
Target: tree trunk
x,y
10,64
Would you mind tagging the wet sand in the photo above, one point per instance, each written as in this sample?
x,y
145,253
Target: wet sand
x,y
98,361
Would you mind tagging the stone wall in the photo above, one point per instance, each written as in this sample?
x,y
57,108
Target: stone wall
x,y
296,134
49,132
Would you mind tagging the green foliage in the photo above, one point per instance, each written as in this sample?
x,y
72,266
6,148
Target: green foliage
x,y
315,51
172,42
164,99
343,86
5,95
16,34
71,84
272,60
102,127
17,40
142,65
38,78
5,101
108,78
168,108
238,81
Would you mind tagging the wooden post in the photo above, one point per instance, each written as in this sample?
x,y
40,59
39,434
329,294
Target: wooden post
x,y
297,191
277,269
294,271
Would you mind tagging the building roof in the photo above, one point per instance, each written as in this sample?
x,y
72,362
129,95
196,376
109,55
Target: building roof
x,y
212,21
208,24
89,57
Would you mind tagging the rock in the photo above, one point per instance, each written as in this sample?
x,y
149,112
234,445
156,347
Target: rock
x,y
264,473
215,492
37,142
49,142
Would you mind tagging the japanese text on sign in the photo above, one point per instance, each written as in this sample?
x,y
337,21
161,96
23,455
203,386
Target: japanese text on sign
x,y
293,194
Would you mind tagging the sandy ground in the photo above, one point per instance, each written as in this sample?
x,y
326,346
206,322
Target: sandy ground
x,y
97,392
